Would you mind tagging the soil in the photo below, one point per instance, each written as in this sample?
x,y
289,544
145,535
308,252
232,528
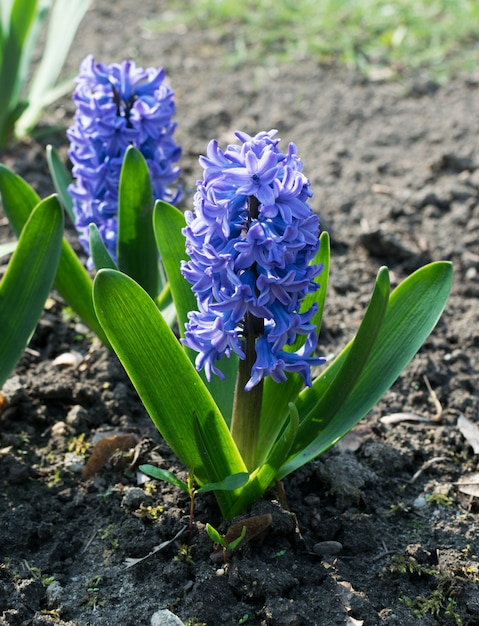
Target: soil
x,y
376,531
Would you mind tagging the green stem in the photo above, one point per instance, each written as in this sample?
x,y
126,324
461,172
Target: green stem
x,y
245,420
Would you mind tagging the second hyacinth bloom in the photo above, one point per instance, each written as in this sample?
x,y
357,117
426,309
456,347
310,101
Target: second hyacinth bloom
x,y
251,239
119,105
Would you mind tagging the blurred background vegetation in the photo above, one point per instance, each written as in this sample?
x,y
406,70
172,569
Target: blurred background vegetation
x,y
381,38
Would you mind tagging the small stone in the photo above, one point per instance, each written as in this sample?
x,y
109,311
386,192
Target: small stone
x,y
327,548
163,617
54,593
76,415
74,462
133,498
419,502
60,429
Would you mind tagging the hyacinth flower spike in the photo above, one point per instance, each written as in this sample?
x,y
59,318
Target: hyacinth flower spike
x,y
251,239
249,291
123,156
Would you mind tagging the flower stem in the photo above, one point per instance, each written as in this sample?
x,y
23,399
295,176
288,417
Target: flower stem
x,y
245,420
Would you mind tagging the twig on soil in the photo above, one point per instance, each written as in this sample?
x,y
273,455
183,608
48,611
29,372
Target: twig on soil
x,y
437,404
89,542
426,466
129,562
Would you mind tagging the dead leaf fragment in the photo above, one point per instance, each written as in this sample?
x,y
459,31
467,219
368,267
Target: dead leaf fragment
x,y
103,451
68,359
469,484
254,526
470,431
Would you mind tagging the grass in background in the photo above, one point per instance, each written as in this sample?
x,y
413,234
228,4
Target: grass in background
x,y
395,37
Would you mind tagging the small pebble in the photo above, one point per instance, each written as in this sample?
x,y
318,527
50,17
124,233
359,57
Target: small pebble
x,y
54,593
74,462
163,617
419,502
327,548
133,498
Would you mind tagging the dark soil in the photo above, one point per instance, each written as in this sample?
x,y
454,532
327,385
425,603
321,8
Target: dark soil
x,y
395,170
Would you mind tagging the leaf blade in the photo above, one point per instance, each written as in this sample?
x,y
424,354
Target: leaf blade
x,y
413,310
28,280
147,347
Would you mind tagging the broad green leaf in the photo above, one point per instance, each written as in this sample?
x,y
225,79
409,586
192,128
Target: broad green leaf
x,y
413,310
325,399
277,396
137,253
28,280
166,381
72,280
64,19
61,179
165,475
168,224
100,256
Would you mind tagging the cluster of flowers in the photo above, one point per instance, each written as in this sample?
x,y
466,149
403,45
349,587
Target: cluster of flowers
x,y
118,105
250,239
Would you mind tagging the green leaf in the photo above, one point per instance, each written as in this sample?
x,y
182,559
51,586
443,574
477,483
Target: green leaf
x,y
230,483
61,179
166,381
72,280
235,543
277,396
413,310
21,19
28,280
165,475
64,19
100,256
215,536
168,224
137,253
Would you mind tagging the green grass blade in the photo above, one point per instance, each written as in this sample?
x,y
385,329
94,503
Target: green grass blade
x,y
413,310
64,19
168,224
137,253
165,379
21,19
7,248
72,280
61,179
27,281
